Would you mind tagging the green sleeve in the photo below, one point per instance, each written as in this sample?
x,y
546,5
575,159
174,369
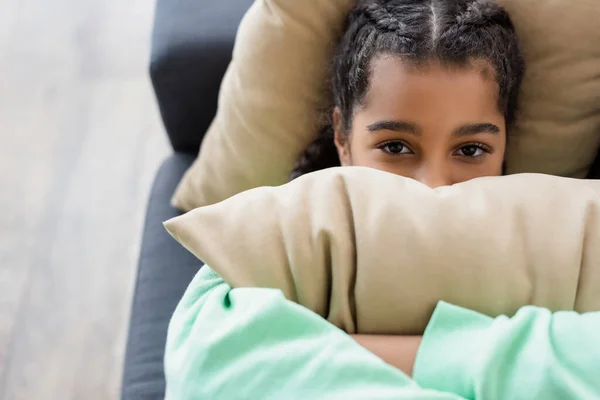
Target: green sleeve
x,y
534,355
254,344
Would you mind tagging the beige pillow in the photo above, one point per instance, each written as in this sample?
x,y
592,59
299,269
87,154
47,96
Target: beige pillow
x,y
274,92
270,99
374,252
558,131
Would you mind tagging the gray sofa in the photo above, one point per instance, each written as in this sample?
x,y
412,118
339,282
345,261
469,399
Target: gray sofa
x,y
191,48
192,45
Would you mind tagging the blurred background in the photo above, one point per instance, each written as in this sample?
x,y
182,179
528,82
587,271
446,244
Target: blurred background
x,y
80,142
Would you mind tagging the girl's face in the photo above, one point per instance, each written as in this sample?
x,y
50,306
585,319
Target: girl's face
x,y
437,125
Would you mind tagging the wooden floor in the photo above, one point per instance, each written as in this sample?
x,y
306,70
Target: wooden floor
x,y
80,141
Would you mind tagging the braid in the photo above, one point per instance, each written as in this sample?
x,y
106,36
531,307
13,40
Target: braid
x,y
486,24
321,154
380,15
481,13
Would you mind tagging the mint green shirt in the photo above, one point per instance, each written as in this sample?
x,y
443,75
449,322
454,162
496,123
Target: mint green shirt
x,y
231,344
534,355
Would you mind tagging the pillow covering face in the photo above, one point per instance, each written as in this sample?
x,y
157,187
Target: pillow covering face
x,y
374,252
275,90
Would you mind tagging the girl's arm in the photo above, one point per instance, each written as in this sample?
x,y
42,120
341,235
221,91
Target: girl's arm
x,y
226,343
397,351
535,354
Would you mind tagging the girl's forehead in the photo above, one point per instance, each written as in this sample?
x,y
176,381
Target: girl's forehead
x,y
395,83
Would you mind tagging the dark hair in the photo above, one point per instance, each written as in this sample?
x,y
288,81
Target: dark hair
x,y
454,32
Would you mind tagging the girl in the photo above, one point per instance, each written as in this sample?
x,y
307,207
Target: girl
x,y
425,89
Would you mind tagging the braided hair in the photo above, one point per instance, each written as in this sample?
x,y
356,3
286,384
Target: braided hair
x,y
452,32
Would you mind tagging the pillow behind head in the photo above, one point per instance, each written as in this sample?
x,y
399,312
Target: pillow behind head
x,y
374,252
270,100
274,92
558,130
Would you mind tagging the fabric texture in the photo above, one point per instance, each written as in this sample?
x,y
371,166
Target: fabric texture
x,y
164,271
534,355
226,344
274,93
374,252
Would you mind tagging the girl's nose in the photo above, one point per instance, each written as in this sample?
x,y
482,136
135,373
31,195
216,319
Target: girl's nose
x,y
434,175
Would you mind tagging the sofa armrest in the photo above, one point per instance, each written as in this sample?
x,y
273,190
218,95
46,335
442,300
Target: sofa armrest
x,y
192,45
165,269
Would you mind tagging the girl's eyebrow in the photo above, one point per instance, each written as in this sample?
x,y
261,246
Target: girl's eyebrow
x,y
474,129
409,127
397,126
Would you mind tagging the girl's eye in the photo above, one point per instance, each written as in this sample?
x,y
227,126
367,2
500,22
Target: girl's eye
x,y
472,150
395,148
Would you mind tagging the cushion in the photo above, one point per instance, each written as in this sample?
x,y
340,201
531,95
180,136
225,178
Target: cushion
x,y
558,130
374,252
270,99
274,93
